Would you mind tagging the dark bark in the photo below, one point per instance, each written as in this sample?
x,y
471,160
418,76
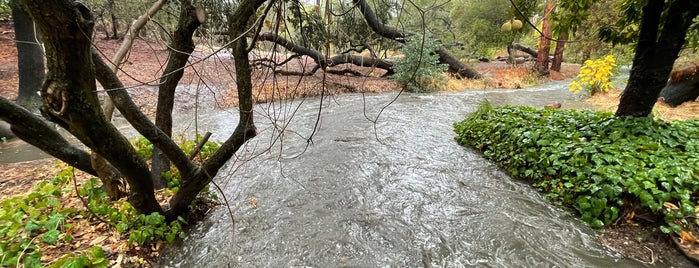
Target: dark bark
x,y
455,66
558,53
522,48
69,93
112,16
37,132
30,60
180,49
655,55
320,58
137,119
377,26
191,186
682,87
541,66
109,176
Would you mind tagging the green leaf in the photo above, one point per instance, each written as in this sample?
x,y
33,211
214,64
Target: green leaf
x,y
50,237
32,225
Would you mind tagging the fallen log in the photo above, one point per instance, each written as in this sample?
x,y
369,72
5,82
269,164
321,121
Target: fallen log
x,y
682,86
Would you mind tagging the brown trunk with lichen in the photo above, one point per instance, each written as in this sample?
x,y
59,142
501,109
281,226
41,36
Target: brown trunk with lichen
x,y
190,186
69,93
180,49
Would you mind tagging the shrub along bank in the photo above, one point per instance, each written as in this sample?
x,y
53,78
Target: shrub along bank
x,y
604,167
58,212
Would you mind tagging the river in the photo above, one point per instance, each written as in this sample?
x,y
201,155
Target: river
x,y
398,192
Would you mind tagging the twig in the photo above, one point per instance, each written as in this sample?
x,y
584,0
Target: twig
x,y
87,206
199,145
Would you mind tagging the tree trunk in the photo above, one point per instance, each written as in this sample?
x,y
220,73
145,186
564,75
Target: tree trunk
x,y
137,119
522,48
190,186
541,66
180,49
655,55
69,93
106,173
30,60
322,60
37,132
112,16
558,53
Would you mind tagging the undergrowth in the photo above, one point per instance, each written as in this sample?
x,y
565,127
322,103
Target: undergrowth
x,y
602,166
595,76
419,70
43,219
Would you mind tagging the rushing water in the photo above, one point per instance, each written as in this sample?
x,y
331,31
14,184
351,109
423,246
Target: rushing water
x,y
398,193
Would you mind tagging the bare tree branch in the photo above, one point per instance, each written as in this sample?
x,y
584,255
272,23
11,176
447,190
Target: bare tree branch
x,y
182,46
320,58
191,185
138,120
524,49
125,46
35,131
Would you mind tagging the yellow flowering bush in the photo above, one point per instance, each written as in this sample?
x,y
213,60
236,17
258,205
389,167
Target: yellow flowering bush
x,y
594,76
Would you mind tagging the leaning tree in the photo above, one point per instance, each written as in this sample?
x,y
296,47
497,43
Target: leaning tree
x,y
663,29
658,41
69,99
69,94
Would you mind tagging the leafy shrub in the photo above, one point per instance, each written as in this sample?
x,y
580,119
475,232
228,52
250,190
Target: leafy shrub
x,y
145,148
34,221
592,161
173,177
419,70
5,10
595,76
142,229
39,219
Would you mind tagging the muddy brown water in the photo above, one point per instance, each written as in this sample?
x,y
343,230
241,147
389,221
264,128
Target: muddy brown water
x,y
396,193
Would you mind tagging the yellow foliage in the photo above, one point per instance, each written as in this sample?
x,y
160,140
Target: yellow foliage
x,y
595,76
